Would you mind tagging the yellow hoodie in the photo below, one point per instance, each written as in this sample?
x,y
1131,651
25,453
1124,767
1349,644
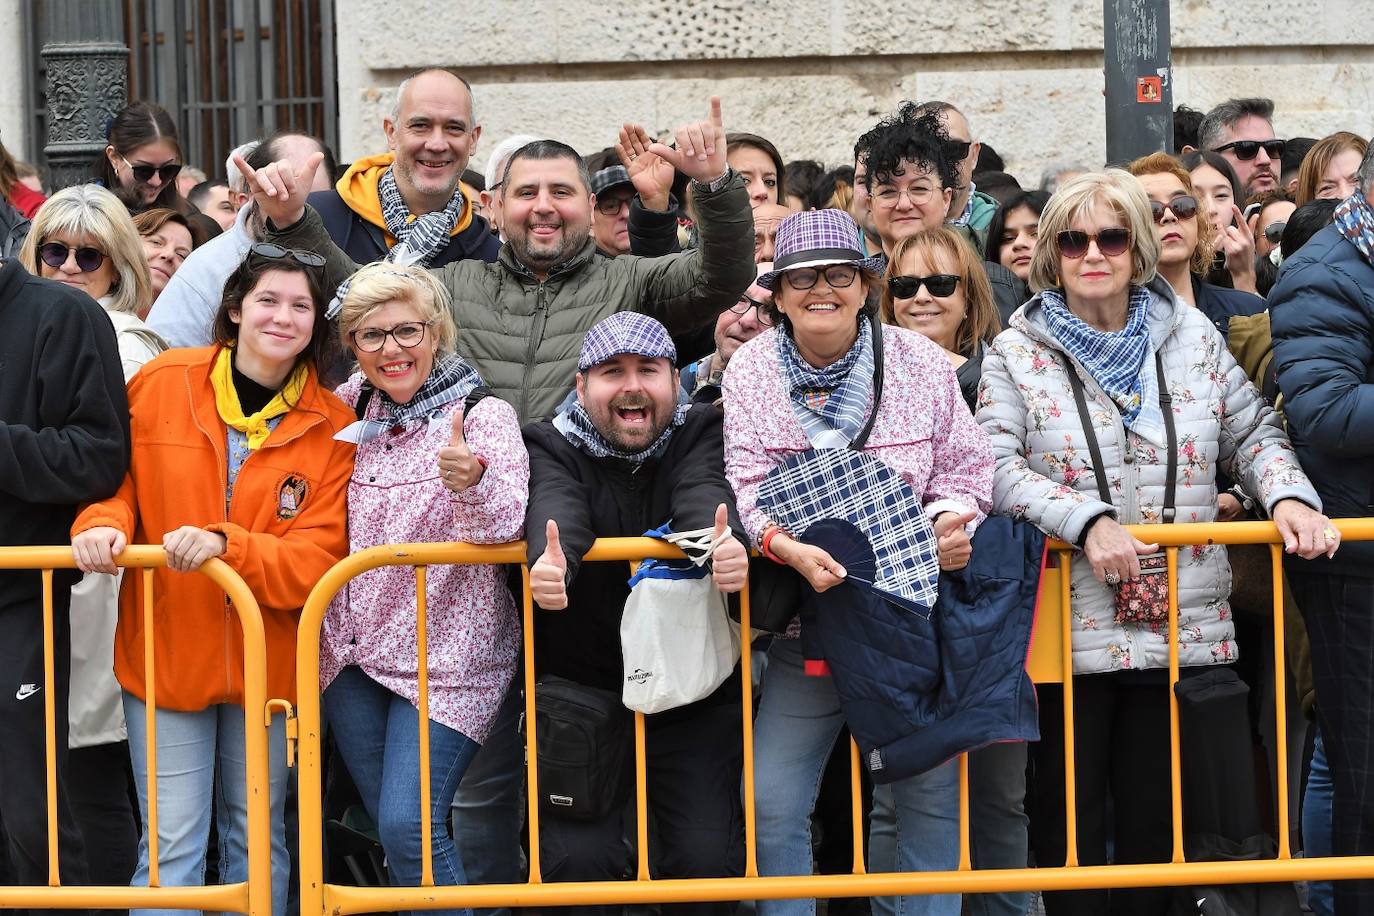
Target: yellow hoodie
x,y
358,188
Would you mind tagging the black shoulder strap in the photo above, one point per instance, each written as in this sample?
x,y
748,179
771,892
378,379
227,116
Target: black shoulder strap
x,y
862,438
1095,450
364,399
475,397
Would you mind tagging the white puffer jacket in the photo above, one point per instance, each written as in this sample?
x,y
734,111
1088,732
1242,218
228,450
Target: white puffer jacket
x,y
1044,470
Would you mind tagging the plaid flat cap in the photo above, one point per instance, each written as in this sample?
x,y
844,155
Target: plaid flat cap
x,y
625,332
815,238
610,178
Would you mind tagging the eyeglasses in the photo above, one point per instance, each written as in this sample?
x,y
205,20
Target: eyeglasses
x,y
144,173
919,195
939,285
1110,242
54,254
610,206
407,334
761,309
837,276
1182,206
278,253
1246,150
1274,232
957,150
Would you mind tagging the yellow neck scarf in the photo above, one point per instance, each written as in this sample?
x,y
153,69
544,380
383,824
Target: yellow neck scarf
x,y
231,412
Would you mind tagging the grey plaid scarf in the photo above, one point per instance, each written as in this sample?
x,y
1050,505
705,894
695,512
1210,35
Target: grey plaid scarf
x,y
577,427
451,379
418,240
831,404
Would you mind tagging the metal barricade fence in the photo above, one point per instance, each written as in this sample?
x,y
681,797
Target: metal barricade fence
x,y
1049,661
254,896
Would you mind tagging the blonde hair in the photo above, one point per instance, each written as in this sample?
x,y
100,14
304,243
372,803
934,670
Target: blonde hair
x,y
980,321
1074,200
1164,164
1314,164
380,283
91,211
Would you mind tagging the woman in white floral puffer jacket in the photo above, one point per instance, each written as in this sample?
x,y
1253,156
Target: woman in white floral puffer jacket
x,y
1102,311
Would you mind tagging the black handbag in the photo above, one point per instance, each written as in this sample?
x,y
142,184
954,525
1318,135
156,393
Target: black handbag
x,y
583,736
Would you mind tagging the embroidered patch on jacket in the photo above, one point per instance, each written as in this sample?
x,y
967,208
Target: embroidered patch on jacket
x,y
292,491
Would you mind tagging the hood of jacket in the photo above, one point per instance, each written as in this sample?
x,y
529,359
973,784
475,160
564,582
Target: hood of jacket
x,y
358,187
124,323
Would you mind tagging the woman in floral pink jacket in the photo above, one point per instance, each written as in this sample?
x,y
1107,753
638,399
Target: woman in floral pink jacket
x,y
424,472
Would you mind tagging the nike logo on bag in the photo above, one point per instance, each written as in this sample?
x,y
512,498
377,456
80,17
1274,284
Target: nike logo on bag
x,y
25,691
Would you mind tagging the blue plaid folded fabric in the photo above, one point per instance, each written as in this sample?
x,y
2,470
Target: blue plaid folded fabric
x,y
850,485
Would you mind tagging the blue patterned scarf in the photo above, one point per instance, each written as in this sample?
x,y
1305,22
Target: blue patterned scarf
x,y
577,427
1114,359
451,379
831,403
1355,218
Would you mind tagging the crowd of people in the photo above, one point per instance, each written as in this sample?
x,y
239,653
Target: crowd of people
x,y
891,380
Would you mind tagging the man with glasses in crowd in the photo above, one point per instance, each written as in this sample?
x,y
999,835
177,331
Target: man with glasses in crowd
x,y
1242,130
737,325
611,220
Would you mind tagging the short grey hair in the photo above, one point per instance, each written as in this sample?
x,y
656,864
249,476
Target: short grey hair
x,y
496,162
1049,179
235,178
1211,131
396,102
1365,173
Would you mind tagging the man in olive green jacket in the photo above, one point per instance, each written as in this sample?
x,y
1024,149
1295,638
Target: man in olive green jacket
x,y
521,320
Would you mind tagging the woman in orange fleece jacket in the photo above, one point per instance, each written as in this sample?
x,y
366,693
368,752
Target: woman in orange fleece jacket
x,y
233,457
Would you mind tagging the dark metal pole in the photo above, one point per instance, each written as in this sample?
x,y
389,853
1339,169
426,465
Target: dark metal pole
x,y
87,64
1139,72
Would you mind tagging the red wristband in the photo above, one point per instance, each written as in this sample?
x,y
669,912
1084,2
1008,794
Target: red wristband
x,y
768,536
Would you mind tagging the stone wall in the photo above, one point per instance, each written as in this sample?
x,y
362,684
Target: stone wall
x,y
812,75
15,120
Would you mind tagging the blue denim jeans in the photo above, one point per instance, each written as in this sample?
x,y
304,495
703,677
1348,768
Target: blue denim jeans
x,y
1316,826
998,823
189,745
915,824
487,813
378,736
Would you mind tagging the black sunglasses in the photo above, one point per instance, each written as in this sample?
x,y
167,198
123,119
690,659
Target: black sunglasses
x,y
957,150
54,254
1182,206
144,173
1111,242
1246,150
277,253
1274,232
940,285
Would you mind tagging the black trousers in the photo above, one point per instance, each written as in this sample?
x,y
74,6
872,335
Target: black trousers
x,y
1339,611
100,787
696,822
23,765
1121,749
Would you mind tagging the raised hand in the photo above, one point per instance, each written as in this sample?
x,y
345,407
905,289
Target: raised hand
x,y
650,173
729,561
459,468
700,152
188,547
279,189
95,549
548,575
1237,243
953,540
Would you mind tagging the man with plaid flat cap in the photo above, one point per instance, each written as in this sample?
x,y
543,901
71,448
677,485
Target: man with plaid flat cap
x,y
624,459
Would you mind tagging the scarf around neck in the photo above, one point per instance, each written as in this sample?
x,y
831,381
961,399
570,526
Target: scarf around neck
x,y
1355,218
451,379
1114,359
830,403
418,238
230,411
577,427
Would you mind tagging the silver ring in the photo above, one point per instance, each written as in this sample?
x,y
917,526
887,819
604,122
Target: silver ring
x,y
448,475
1113,578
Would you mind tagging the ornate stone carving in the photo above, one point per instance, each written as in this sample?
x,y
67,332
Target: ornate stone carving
x,y
86,86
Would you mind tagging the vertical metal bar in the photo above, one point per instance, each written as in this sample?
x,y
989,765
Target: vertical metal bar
x,y
1280,703
150,724
531,740
285,53
177,41
50,726
965,854
257,121
311,820
1066,662
641,801
422,654
856,801
1175,767
329,77
746,672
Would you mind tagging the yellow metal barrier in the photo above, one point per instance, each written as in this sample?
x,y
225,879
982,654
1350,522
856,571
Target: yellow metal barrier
x,y
1050,661
254,896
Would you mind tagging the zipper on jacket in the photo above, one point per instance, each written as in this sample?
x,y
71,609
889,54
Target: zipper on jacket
x,y
536,334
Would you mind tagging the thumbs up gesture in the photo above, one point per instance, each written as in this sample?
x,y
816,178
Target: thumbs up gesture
x,y
952,537
459,468
549,574
729,561
700,152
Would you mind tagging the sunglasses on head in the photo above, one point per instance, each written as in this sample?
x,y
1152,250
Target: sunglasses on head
x,y
939,285
144,173
1246,150
1111,242
1274,232
1182,206
54,254
277,253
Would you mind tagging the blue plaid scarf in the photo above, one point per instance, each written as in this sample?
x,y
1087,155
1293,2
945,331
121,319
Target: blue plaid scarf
x,y
577,427
451,379
831,404
1355,218
1114,359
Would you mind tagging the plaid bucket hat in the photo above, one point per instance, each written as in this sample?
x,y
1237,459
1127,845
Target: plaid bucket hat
x,y
816,238
625,332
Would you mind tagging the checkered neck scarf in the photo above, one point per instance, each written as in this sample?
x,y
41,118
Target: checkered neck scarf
x,y
1355,218
577,427
1114,359
451,379
831,404
418,239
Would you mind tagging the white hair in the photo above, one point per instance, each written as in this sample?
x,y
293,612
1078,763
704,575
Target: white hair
x,y
496,162
234,176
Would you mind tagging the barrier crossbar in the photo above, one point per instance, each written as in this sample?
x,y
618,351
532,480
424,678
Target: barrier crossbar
x,y
253,897
1050,662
